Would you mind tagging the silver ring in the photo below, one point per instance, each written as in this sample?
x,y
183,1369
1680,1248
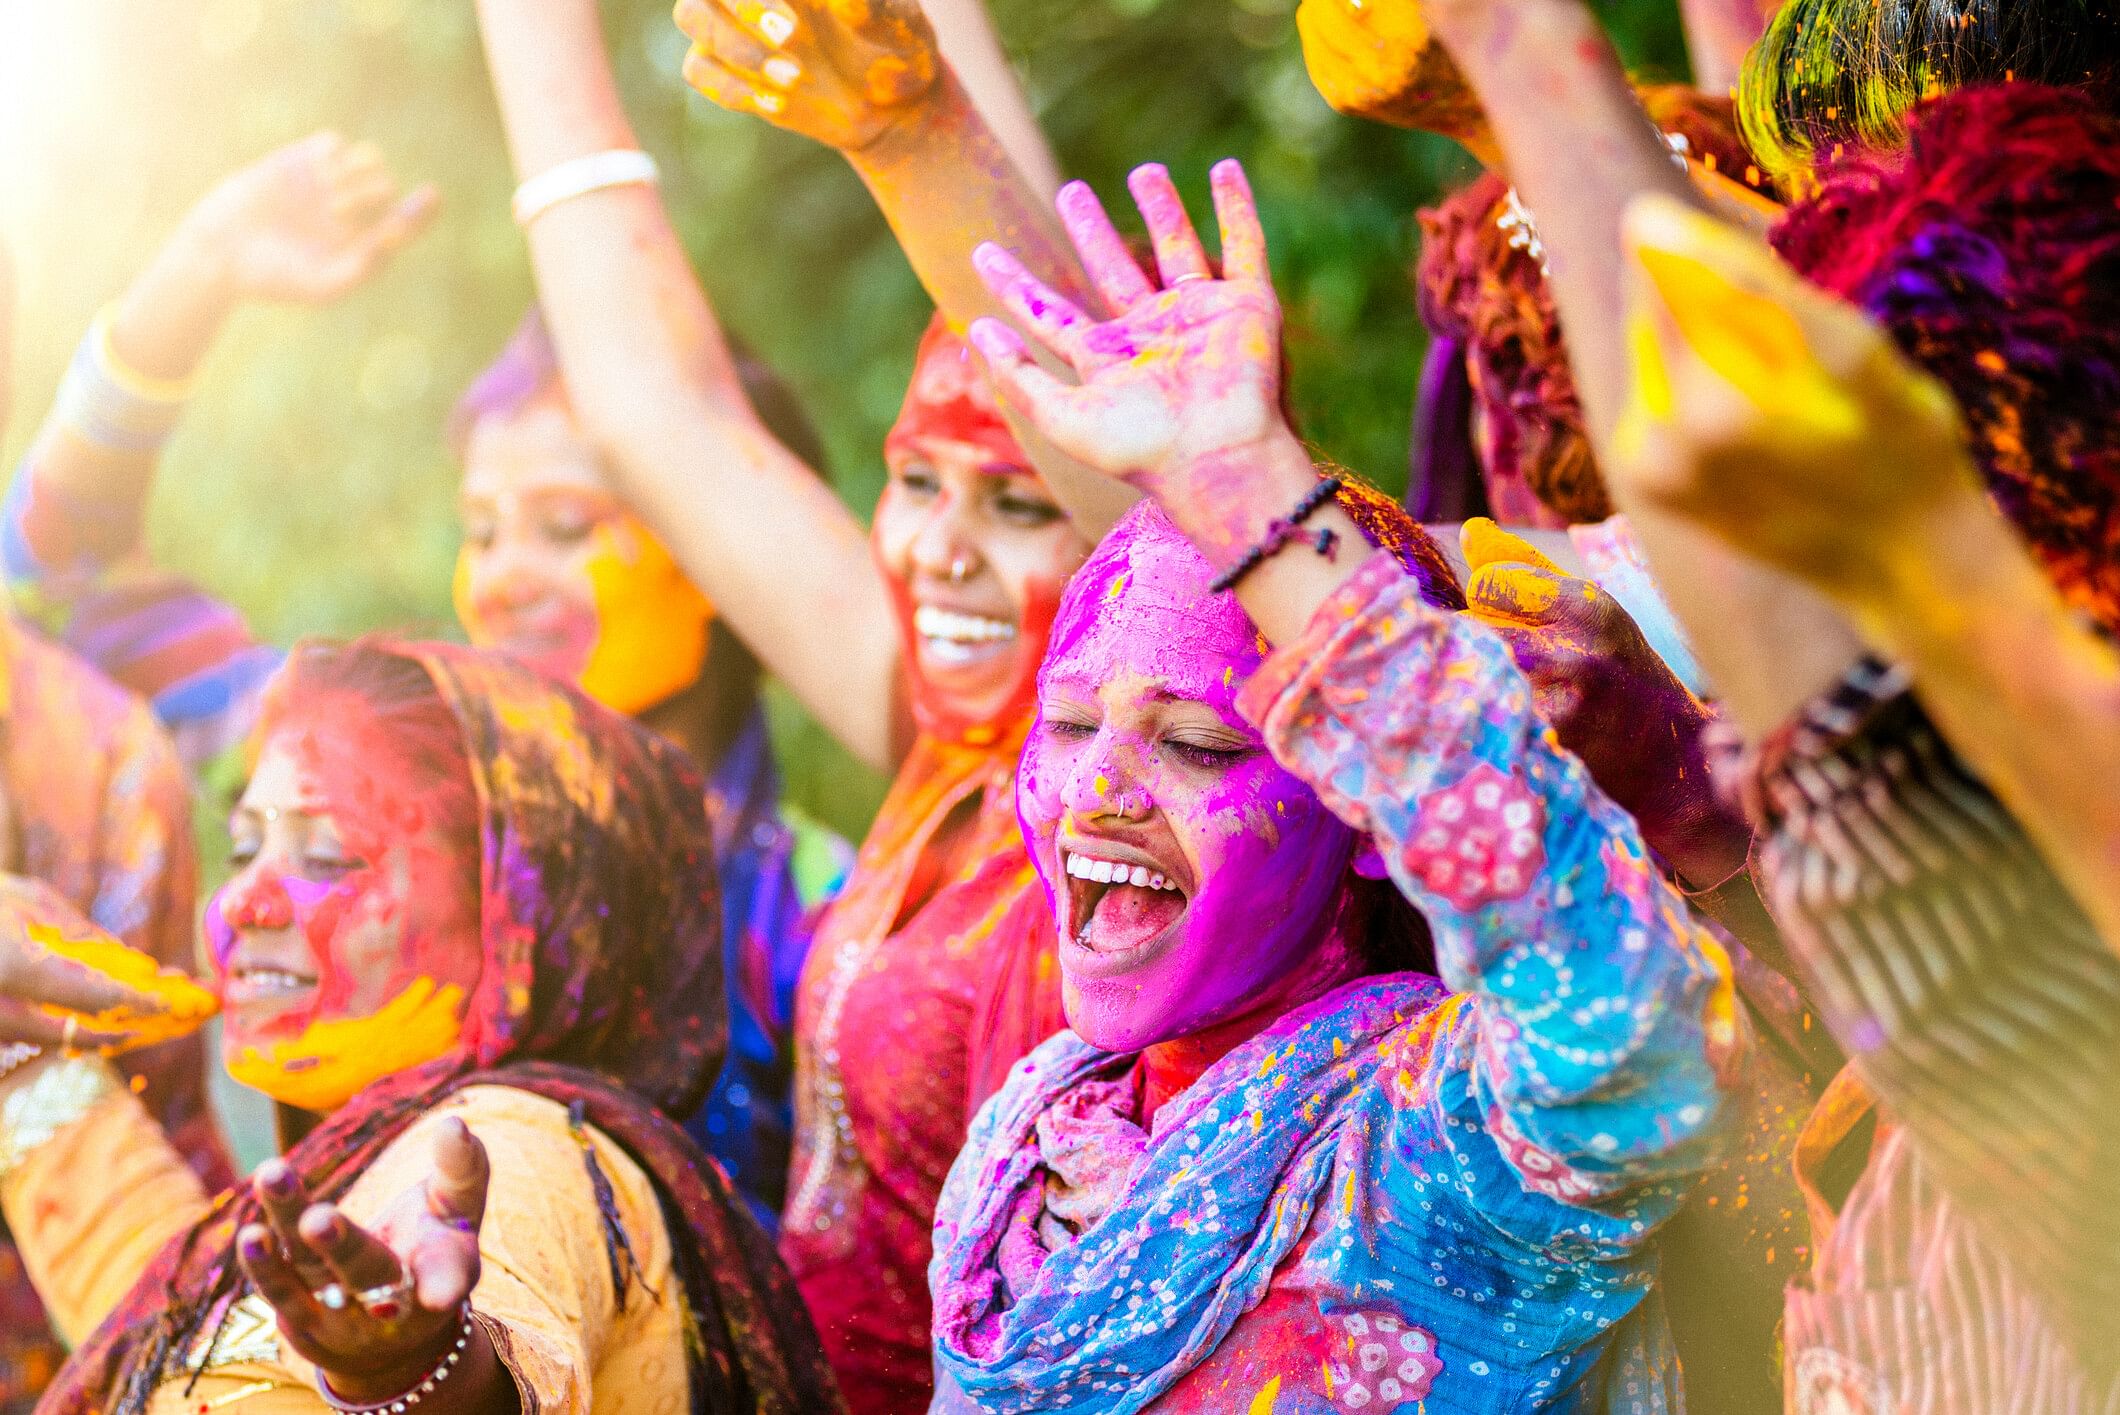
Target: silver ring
x,y
957,570
331,1297
1188,275
388,1302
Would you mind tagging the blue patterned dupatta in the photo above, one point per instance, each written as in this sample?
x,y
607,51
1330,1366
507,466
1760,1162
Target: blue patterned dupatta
x,y
1229,1182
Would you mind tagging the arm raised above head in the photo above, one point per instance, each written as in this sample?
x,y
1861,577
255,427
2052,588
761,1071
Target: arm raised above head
x,y
652,381
953,160
1578,147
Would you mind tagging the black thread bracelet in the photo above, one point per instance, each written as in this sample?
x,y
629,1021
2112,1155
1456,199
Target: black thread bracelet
x,y
1283,530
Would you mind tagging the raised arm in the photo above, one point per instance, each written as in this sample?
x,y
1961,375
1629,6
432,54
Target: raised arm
x,y
650,377
877,89
1604,1015
306,224
1784,420
1577,147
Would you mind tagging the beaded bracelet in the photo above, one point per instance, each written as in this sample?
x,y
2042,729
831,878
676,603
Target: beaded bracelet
x,y
1280,532
400,1404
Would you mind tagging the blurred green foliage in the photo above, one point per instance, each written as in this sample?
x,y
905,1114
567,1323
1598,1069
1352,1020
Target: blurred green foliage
x,y
310,484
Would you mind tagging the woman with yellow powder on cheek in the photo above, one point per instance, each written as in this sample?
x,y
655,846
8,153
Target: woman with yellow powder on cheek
x,y
554,572
473,916
916,642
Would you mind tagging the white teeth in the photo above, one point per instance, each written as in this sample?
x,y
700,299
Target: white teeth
x,y
273,980
954,628
1113,872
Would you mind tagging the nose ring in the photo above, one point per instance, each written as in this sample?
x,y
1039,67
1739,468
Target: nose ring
x,y
957,570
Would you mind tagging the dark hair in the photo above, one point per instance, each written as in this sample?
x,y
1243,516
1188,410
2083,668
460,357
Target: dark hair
x,y
1989,248
1833,76
1479,287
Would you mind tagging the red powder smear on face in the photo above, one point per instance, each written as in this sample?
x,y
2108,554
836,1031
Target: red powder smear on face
x,y
984,722
380,800
949,397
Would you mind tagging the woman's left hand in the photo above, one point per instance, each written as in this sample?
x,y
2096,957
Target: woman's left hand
x,y
415,1270
1180,390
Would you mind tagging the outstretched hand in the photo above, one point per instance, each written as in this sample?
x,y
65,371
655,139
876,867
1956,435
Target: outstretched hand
x,y
840,71
308,223
1773,414
1181,388
375,1311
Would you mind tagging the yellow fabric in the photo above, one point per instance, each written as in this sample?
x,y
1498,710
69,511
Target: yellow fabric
x,y
545,1289
93,1205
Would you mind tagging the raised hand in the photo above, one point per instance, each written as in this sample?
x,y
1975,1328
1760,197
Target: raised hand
x,y
1184,381
374,1310
840,71
1607,695
305,224
1771,413
1379,59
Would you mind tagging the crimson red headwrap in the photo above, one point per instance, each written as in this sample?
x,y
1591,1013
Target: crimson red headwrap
x,y
950,397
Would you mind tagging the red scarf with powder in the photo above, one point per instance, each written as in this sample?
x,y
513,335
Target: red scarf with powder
x,y
932,972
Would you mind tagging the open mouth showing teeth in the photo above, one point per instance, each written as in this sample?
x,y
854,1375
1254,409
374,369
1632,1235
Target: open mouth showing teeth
x,y
1114,906
271,982
950,637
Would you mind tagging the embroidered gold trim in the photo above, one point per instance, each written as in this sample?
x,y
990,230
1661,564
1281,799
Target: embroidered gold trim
x,y
47,1103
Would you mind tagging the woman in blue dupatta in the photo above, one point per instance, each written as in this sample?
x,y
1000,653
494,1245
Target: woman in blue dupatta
x,y
1283,1163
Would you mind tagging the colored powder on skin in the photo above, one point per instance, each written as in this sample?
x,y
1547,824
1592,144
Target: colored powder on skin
x,y
331,1061
643,635
1003,704
394,940
1267,858
185,1005
651,623
1752,342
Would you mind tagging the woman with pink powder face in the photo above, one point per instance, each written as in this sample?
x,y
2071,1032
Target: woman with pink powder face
x,y
1289,1158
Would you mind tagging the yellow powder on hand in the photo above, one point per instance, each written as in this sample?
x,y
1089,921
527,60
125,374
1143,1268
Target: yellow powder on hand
x,y
185,1005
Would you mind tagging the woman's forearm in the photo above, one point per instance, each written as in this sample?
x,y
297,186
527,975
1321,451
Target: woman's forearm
x,y
2026,693
945,182
964,31
652,381
1768,643
160,329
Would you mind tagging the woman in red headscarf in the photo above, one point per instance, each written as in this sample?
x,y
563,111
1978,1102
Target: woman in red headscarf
x,y
916,643
470,906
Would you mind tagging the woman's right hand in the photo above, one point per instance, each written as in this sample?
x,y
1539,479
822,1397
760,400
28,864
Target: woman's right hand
x,y
306,224
843,72
33,978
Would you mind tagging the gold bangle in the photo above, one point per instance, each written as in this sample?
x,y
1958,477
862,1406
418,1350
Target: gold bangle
x,y
55,1097
147,387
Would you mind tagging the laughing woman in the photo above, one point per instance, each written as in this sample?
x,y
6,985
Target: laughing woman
x,y
915,643
444,936
1277,1165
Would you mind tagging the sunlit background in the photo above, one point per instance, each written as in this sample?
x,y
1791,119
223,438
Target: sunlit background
x,y
310,485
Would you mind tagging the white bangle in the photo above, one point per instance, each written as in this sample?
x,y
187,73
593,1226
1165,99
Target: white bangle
x,y
592,172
